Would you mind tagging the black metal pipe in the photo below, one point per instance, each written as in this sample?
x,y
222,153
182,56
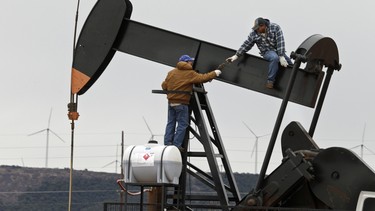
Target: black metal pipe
x,y
142,189
319,106
278,124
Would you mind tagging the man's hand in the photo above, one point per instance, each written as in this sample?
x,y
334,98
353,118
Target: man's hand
x,y
283,61
218,72
232,58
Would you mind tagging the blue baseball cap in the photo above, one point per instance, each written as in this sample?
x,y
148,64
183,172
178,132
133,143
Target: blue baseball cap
x,y
185,58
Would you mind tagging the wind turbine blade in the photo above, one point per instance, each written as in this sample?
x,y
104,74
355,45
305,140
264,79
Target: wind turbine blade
x,y
264,135
108,164
356,146
370,150
36,132
363,134
49,118
148,127
249,128
56,135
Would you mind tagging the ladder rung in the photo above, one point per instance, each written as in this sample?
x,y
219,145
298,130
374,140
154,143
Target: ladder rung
x,y
201,154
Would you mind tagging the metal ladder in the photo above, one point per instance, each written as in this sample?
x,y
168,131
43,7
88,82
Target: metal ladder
x,y
204,128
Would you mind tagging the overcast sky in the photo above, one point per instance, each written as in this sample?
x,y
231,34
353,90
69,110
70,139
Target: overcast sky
x,y
36,56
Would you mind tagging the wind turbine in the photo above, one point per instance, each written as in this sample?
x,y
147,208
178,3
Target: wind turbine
x,y
47,136
149,129
115,161
362,145
255,147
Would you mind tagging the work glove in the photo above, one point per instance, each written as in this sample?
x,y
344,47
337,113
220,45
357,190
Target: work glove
x,y
232,58
218,72
283,61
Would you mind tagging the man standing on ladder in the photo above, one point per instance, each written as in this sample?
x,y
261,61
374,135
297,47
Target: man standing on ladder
x,y
179,85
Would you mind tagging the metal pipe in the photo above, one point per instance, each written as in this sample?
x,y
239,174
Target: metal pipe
x,y
72,122
319,106
278,124
122,168
71,167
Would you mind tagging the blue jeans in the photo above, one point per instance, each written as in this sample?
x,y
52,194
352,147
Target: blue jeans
x,y
273,66
176,115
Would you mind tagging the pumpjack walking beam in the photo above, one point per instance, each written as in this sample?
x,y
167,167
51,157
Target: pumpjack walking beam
x,y
109,29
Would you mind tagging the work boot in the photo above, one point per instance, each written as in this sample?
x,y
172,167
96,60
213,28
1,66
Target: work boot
x,y
269,84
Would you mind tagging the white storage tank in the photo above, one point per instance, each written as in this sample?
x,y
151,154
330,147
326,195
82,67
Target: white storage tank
x,y
152,163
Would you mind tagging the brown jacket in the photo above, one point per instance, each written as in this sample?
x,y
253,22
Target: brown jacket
x,y
182,78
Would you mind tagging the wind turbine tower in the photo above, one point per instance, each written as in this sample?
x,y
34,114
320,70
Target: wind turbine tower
x,y
255,147
149,129
48,130
362,146
116,162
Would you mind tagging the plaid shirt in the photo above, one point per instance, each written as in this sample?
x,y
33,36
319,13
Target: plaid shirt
x,y
273,41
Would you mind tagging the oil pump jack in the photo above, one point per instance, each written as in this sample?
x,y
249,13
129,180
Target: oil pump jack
x,y
308,176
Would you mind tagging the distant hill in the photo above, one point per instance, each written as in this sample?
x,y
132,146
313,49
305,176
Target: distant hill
x,y
39,189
